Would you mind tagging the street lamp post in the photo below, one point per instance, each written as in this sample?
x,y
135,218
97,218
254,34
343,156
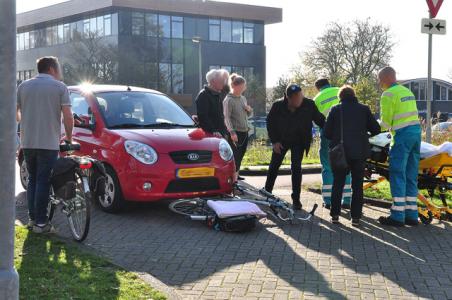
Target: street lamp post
x,y
197,40
9,279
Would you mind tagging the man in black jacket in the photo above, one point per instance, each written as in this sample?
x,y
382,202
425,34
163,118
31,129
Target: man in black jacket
x,y
210,107
289,126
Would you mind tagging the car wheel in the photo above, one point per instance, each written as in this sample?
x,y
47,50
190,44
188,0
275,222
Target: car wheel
x,y
113,200
23,173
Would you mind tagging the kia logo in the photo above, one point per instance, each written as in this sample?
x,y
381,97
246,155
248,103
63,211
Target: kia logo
x,y
193,156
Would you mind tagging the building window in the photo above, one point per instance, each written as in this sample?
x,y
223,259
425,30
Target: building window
x,y
248,33
422,91
151,69
165,77
151,25
214,30
237,32
107,25
214,67
177,48
100,26
66,33
165,26
177,27
227,68
450,94
415,89
86,28
60,34
33,36
178,78
226,30
137,23
443,93
20,41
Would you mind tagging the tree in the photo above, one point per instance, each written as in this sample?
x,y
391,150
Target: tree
x,y
256,94
92,60
349,52
368,93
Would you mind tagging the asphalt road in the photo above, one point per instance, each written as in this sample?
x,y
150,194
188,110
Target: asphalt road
x,y
283,185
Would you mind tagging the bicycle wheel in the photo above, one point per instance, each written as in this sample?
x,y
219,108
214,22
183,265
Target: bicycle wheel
x,y
78,209
193,208
50,209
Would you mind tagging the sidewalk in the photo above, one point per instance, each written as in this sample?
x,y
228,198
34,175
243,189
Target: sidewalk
x,y
284,170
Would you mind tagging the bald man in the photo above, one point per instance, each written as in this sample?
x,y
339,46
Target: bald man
x,y
399,115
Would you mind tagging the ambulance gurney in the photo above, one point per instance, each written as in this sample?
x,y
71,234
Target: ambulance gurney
x,y
435,174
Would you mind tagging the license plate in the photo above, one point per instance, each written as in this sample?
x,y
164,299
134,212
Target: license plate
x,y
195,172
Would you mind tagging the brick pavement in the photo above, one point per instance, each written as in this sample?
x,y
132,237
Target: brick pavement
x,y
314,260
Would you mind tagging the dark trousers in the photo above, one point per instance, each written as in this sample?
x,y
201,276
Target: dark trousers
x,y
275,164
239,148
356,168
39,165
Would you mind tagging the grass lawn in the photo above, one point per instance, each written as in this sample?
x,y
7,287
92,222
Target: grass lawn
x,y
50,268
259,154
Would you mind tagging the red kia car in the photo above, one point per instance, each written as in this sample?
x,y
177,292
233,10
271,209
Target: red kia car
x,y
150,146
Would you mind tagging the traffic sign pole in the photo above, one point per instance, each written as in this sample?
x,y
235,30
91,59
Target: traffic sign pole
x,y
429,90
9,280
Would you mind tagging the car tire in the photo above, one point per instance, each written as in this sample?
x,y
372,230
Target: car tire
x,y
112,201
23,174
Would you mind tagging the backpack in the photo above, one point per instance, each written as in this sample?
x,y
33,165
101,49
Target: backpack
x,y
243,223
63,179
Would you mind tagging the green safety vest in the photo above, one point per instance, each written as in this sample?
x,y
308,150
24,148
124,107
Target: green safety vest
x,y
398,108
326,99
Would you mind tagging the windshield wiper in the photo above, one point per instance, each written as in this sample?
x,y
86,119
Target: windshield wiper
x,y
167,124
152,125
126,125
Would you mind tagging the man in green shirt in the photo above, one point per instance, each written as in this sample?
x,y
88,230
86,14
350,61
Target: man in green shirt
x,y
325,100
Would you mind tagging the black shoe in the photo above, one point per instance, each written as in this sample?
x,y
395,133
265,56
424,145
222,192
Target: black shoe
x,y
240,178
390,222
327,206
345,206
335,220
411,222
296,206
355,222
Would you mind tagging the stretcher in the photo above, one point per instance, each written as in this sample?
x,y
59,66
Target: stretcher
x,y
435,176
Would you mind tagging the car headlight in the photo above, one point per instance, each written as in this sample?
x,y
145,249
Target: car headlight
x,y
141,152
225,151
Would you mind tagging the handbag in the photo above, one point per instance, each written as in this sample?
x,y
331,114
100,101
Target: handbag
x,y
338,161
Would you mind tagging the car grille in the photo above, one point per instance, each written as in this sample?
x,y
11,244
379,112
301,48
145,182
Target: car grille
x,y
193,185
191,157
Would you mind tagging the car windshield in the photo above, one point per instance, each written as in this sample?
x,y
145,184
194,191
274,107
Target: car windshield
x,y
141,110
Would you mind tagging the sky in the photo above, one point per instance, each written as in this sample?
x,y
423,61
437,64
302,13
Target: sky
x,y
304,20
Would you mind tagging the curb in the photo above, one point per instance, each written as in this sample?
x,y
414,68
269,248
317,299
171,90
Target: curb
x,y
283,171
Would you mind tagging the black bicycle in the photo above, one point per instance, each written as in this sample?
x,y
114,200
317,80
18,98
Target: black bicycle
x,y
277,208
75,195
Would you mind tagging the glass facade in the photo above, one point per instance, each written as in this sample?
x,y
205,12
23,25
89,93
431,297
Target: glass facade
x,y
62,33
441,91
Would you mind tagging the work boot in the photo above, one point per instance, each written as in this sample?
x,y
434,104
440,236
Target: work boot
x,y
388,221
355,222
335,220
411,222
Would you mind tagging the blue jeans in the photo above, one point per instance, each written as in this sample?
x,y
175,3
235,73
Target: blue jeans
x,y
39,165
403,173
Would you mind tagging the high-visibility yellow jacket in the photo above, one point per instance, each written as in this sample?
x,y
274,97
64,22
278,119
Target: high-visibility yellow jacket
x,y
326,99
398,108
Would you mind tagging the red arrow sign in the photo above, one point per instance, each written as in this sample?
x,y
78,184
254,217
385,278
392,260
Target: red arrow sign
x,y
434,6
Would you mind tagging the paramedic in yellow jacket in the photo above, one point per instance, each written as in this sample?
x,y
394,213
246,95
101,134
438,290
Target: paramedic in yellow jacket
x,y
325,100
399,114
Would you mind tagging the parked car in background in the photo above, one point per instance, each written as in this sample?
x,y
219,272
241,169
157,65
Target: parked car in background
x,y
150,146
442,127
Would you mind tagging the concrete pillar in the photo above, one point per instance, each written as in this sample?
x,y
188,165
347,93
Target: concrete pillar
x,y
9,279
